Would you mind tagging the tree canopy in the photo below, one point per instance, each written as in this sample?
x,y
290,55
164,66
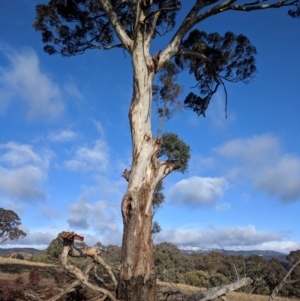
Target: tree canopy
x,y
70,27
9,226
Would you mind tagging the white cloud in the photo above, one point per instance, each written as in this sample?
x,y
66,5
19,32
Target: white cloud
x,y
223,207
255,150
49,213
22,171
281,180
89,159
261,160
25,80
62,136
38,239
98,126
197,191
216,111
233,238
71,89
22,183
102,217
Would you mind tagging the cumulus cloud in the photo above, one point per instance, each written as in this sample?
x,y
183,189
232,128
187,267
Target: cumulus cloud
x,y
261,160
79,215
102,217
23,79
22,171
62,136
281,180
235,238
255,150
88,159
37,239
196,191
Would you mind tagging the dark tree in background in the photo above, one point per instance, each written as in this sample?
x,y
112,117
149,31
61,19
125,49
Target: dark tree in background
x,y
9,226
70,27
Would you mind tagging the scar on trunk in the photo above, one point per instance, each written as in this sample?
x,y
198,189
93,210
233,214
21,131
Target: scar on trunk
x,y
128,208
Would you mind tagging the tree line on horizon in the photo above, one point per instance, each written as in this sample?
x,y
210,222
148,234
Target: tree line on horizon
x,y
198,269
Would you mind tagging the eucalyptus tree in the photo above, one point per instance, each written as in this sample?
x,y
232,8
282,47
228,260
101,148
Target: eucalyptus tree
x,y
70,27
10,226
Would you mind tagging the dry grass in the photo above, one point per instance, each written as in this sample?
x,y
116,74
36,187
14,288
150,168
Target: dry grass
x,y
246,297
233,296
184,288
10,268
4,260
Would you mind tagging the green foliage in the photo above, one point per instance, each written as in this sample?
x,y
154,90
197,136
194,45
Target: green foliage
x,y
9,226
112,255
176,151
218,279
197,278
171,265
214,58
52,253
295,13
72,27
156,228
214,269
158,197
19,256
166,93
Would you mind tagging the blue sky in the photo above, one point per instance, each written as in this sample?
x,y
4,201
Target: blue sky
x,y
65,141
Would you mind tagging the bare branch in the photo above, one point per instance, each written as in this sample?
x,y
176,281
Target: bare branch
x,y
193,18
126,174
109,10
283,282
67,290
156,14
69,249
216,292
152,30
186,25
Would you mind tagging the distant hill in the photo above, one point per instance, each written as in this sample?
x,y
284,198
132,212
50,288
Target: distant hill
x,y
266,254
23,250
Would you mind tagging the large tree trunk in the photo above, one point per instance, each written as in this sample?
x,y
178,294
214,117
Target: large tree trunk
x,y
138,279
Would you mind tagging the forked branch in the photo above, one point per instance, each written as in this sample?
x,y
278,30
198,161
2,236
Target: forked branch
x,y
82,277
197,15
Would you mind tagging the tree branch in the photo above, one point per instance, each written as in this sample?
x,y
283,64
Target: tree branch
x,y
109,10
152,30
283,282
192,19
214,293
186,25
163,168
69,249
248,6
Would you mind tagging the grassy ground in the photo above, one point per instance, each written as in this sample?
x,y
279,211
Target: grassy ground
x,y
4,260
244,297
233,296
11,268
